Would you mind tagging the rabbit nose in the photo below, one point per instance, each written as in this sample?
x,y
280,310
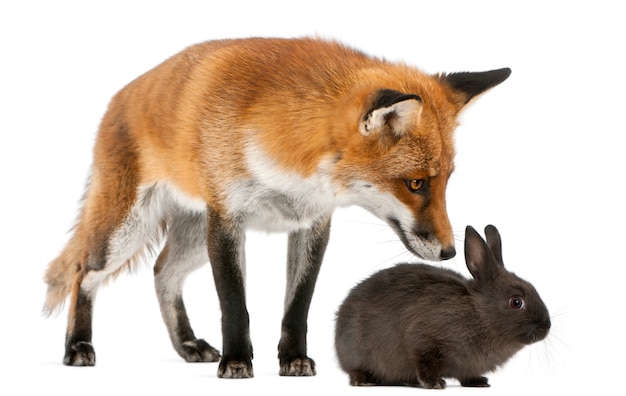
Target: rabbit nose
x,y
541,330
448,253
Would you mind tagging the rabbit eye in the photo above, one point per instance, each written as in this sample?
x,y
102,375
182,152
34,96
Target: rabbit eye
x,y
517,302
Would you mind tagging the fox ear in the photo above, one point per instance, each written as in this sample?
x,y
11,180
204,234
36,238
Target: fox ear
x,y
392,110
473,84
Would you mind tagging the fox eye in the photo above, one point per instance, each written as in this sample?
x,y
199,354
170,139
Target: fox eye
x,y
415,185
517,302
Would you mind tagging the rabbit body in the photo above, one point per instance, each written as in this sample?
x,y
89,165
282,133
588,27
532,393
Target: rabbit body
x,y
417,324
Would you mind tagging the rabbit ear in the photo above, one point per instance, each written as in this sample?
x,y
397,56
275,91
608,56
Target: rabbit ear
x,y
494,242
479,258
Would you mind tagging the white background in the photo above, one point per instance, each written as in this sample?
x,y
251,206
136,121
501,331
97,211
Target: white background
x,y
540,156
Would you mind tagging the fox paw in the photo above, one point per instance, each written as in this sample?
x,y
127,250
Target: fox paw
x,y
80,353
298,367
235,369
199,351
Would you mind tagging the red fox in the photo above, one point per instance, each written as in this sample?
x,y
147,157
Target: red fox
x,y
262,133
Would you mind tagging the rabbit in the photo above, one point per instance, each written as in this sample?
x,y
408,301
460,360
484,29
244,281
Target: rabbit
x,y
416,324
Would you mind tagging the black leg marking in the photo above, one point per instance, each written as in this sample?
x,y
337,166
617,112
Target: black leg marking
x,y
78,348
226,252
306,251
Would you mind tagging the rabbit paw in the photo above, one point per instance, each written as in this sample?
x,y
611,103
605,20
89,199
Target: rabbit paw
x,y
361,378
433,383
478,382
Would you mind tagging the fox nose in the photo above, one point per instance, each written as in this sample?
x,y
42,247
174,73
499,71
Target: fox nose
x,y
448,253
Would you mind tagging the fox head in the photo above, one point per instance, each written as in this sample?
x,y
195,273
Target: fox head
x,y
398,164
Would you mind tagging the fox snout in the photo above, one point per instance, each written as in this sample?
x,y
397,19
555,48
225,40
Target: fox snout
x,y
447,253
423,242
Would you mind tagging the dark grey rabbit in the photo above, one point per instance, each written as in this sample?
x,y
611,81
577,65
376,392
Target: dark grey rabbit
x,y
416,324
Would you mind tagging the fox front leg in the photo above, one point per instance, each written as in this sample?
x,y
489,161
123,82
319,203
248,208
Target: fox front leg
x,y
306,251
225,243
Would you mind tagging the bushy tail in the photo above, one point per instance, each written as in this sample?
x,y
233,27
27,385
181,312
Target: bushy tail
x,y
61,273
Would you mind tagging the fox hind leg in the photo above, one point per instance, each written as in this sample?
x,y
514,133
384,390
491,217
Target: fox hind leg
x,y
184,252
79,350
109,249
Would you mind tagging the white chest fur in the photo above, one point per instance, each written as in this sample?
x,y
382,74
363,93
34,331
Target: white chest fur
x,y
275,200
